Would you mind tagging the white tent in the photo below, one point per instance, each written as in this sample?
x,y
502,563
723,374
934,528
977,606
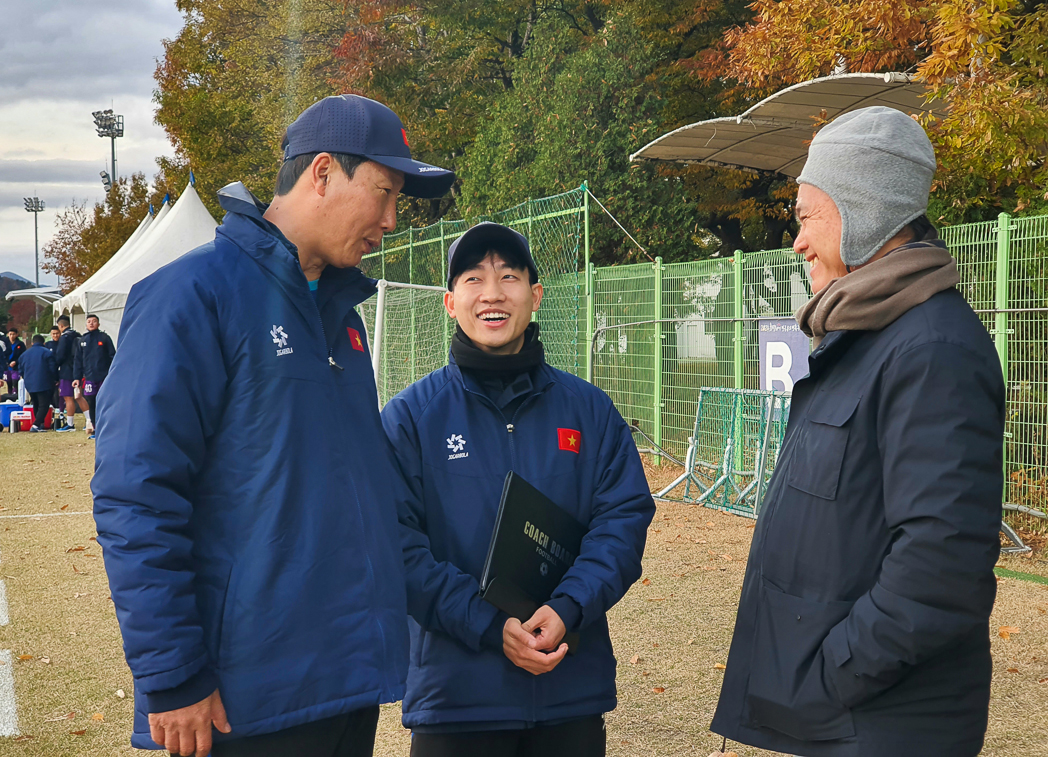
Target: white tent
x,y
177,229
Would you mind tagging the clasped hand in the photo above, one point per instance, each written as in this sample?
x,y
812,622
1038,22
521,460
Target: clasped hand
x,y
535,645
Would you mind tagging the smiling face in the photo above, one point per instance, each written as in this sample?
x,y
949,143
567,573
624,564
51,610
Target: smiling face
x,y
493,303
352,214
819,238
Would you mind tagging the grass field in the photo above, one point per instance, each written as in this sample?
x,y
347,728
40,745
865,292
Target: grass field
x,y
69,670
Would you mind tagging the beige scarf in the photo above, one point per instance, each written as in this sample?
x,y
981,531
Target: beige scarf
x,y
872,297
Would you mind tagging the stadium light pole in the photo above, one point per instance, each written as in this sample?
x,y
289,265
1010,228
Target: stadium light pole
x,y
109,124
35,206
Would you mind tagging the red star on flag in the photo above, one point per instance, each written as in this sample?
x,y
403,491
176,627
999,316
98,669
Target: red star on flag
x,y
569,439
354,339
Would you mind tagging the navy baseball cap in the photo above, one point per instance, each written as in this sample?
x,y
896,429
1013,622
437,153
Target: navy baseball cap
x,y
355,125
485,236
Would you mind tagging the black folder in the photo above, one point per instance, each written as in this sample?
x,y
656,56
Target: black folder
x,y
532,546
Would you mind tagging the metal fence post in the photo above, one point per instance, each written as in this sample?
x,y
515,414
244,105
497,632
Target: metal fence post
x,y
444,273
531,218
657,459
411,294
591,276
739,352
1000,319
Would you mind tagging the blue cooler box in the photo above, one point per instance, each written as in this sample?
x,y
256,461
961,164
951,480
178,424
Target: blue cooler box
x,y
6,409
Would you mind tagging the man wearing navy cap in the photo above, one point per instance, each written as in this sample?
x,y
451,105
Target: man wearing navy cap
x,y
482,683
243,501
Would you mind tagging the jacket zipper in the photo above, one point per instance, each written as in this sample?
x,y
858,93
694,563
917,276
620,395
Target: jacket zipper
x,y
323,332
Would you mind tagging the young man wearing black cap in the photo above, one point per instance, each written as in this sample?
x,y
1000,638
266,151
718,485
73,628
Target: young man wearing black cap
x,y
243,501
481,683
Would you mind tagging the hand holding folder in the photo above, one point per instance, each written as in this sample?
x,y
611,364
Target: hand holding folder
x,y
533,545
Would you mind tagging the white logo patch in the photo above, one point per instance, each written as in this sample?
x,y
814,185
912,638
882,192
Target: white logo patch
x,y
456,444
280,340
429,169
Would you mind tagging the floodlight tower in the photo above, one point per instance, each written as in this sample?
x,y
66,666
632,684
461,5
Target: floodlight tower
x,y
109,124
35,206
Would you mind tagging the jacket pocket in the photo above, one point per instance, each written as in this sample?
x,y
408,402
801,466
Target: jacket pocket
x,y
786,691
224,625
819,455
212,591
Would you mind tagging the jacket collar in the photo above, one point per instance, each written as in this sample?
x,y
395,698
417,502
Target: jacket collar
x,y
541,377
246,227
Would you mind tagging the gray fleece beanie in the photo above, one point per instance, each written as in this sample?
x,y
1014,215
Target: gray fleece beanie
x,y
877,166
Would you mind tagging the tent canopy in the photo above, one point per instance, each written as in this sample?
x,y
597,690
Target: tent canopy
x,y
44,296
176,229
775,133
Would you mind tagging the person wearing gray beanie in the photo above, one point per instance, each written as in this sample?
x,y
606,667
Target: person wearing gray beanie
x,y
876,164
863,621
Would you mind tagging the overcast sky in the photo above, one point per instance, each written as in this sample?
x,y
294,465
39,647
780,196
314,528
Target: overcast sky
x,y
59,61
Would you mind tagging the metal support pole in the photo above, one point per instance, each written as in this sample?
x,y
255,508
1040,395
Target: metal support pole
x,y
112,141
380,317
588,268
444,273
739,353
1000,325
411,280
590,319
531,219
658,358
36,246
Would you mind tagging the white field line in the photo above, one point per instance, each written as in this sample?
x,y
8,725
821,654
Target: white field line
x,y
47,515
3,605
8,717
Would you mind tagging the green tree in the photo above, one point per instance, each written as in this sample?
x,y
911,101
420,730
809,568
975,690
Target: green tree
x,y
236,75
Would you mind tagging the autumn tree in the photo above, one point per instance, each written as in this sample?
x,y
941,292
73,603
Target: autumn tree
x,y
236,75
987,60
84,240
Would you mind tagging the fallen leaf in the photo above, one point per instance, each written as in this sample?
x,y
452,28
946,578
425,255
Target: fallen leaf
x,y
656,599
709,524
26,737
1013,670
635,659
691,641
79,733
659,689
726,557
63,507
98,716
752,525
25,657
1043,680
75,549
77,570
646,582
645,673
93,539
120,694
654,644
720,666
1005,632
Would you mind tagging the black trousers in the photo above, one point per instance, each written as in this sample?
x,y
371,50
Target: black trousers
x,y
585,737
349,735
41,401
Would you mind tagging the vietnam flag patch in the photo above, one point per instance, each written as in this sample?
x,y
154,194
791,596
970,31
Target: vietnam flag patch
x,y
569,439
355,340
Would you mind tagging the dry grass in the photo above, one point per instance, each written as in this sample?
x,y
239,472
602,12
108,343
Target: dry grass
x,y
678,625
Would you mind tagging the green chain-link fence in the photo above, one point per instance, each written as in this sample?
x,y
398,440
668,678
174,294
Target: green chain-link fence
x,y
700,319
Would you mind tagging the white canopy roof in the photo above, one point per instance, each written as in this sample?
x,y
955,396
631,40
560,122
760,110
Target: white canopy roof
x,y
177,229
40,295
775,133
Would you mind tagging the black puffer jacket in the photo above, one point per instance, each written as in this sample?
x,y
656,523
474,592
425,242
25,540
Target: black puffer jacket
x,y
863,626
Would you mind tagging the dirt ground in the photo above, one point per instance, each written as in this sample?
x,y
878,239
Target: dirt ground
x,y
69,669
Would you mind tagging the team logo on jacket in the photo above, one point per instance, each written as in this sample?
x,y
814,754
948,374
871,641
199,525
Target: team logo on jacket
x,y
456,444
569,439
354,339
280,340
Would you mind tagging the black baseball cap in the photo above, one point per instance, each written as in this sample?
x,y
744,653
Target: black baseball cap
x,y
355,125
485,236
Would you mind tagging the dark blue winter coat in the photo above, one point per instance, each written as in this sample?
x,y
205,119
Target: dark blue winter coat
x,y
66,353
243,497
37,367
447,524
863,626
93,356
